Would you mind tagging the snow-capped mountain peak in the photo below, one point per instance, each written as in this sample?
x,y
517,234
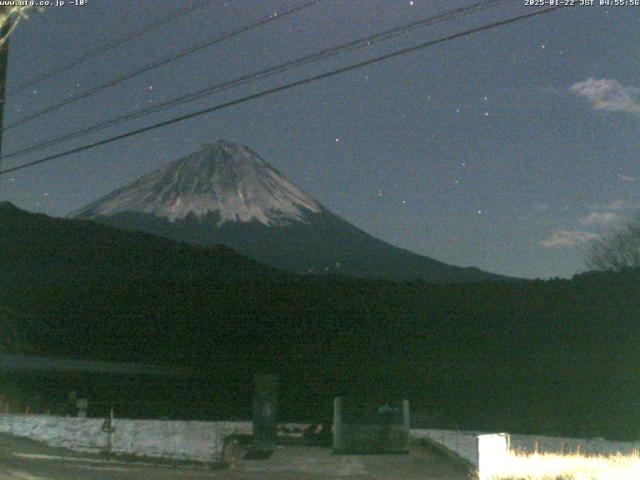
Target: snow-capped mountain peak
x,y
225,194
223,178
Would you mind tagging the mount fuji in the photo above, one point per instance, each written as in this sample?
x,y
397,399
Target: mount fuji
x,y
226,194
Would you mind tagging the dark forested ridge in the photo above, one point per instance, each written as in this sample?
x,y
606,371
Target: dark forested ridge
x,y
557,356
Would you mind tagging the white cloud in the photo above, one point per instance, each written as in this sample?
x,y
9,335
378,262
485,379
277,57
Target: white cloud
x,y
626,178
541,207
608,94
599,218
616,205
568,238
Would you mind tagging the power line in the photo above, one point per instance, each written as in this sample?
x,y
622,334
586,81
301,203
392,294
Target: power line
x,y
161,62
105,48
262,74
287,86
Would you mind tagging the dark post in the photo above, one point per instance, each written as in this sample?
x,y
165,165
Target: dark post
x,y
4,58
83,405
265,412
107,426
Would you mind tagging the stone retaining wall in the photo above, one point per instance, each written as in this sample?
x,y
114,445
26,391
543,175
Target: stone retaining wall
x,y
180,440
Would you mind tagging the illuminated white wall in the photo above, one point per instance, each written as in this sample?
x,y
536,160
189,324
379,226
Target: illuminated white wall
x,y
493,450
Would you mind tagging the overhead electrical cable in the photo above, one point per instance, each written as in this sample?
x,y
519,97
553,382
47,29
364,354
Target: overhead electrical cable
x,y
284,87
102,49
159,63
262,74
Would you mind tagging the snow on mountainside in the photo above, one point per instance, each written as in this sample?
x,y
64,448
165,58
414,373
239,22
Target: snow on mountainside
x,y
223,178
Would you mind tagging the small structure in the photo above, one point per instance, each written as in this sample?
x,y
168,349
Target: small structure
x,y
361,427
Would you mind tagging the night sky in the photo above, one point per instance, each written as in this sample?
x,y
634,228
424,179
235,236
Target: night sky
x,y
508,149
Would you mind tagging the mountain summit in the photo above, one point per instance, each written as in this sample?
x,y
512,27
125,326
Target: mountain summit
x,y
222,178
226,194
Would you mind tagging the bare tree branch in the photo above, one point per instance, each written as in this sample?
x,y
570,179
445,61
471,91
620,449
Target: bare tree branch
x,y
618,250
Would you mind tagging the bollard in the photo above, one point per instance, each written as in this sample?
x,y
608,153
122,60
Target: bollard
x,y
265,412
82,404
108,427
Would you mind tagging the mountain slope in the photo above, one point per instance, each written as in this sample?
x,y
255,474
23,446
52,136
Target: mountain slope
x,y
40,249
226,194
94,290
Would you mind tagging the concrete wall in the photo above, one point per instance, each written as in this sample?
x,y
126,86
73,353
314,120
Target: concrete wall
x,y
462,444
199,441
181,440
465,444
493,453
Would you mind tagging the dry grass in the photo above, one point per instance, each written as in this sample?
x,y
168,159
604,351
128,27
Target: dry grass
x,y
548,466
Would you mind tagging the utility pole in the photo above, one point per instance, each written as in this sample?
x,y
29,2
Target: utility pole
x,y
9,18
4,59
